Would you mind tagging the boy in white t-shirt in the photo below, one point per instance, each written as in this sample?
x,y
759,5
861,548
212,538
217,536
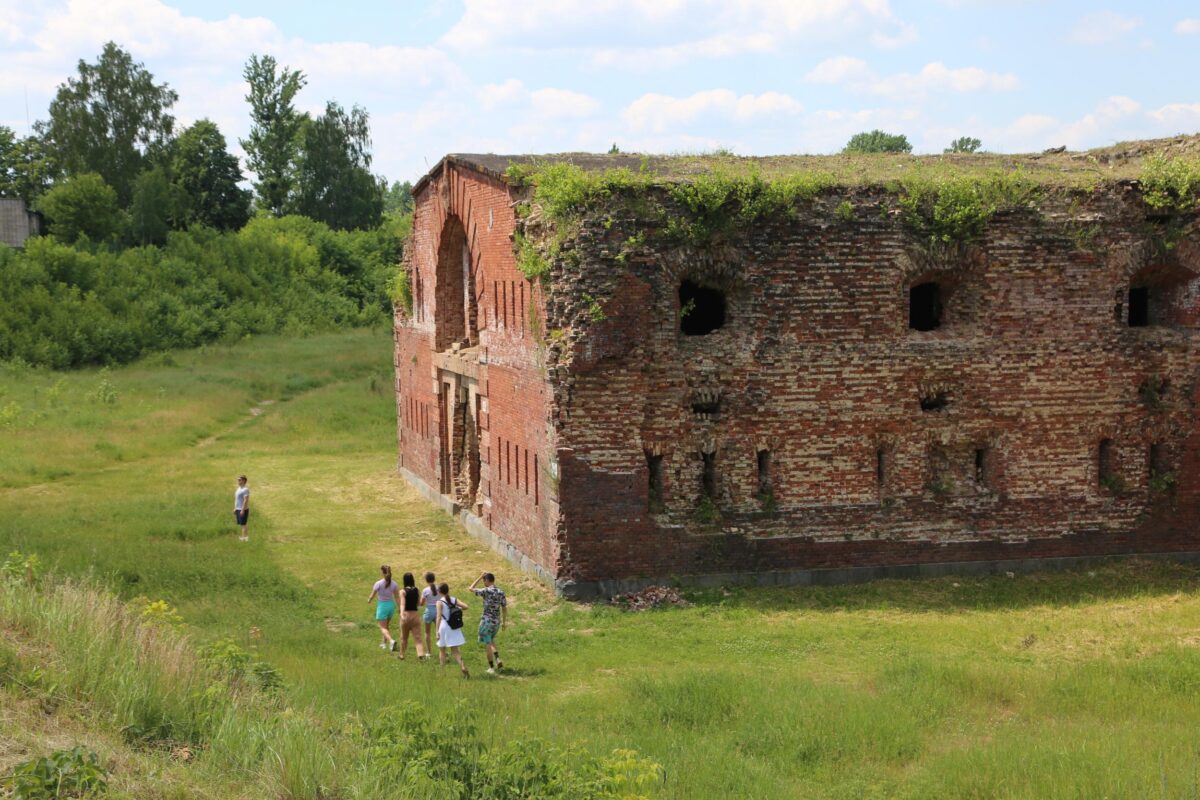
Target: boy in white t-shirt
x,y
241,507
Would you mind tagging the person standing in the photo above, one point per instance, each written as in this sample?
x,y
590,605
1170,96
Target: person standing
x,y
241,508
429,597
449,626
384,592
410,617
493,618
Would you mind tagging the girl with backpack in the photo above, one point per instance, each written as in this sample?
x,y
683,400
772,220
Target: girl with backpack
x,y
450,627
410,617
384,591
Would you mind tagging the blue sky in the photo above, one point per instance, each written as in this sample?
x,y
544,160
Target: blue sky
x,y
755,76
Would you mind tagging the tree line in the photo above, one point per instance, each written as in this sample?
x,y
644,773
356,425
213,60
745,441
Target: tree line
x,y
108,163
154,242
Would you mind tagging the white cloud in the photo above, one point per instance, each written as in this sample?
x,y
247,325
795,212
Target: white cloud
x,y
1103,27
547,103
658,113
1187,26
933,77
655,33
1185,116
840,69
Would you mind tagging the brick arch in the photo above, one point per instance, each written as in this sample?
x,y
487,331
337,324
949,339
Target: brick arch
x,y
455,206
450,287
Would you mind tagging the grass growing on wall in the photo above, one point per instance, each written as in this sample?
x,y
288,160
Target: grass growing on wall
x,y
1071,685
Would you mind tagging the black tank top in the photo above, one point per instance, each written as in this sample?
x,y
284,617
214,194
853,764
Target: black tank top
x,y
411,596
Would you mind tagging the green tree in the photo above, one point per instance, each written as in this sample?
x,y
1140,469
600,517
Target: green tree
x,y
878,141
84,205
334,180
272,146
155,207
964,144
112,119
399,199
208,176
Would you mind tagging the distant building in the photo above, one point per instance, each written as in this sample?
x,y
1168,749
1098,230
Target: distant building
x,y
17,223
818,395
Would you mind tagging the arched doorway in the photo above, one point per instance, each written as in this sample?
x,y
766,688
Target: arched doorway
x,y
453,279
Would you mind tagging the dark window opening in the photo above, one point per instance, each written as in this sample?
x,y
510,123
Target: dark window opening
x,y
706,406
1139,306
981,465
654,466
764,473
701,309
708,479
935,402
1106,463
880,466
1158,459
925,307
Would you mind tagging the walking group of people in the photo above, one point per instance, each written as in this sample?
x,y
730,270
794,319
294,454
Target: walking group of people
x,y
439,611
433,606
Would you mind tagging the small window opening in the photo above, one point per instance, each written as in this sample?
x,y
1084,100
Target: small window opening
x,y
764,473
1107,465
701,309
881,466
981,465
925,307
1139,306
708,479
654,467
1158,459
935,402
707,406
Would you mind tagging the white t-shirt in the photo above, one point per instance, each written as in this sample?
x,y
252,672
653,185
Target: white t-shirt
x,y
240,497
429,596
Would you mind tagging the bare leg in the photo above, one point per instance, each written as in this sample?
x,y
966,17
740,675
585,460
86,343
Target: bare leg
x,y
384,625
442,656
458,657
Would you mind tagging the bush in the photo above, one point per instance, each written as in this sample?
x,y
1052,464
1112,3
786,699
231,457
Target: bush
x,y
82,207
68,306
878,141
410,752
67,773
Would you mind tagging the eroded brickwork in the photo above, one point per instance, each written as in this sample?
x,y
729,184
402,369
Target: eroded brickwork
x,y
816,425
472,399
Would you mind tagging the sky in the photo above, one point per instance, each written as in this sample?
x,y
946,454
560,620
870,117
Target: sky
x,y
665,76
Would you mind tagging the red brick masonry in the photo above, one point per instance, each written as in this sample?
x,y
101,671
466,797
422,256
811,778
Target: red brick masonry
x,y
584,431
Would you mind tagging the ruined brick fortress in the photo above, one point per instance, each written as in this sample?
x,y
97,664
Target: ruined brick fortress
x,y
815,394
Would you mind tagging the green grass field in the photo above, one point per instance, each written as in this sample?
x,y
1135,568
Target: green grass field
x,y
1072,685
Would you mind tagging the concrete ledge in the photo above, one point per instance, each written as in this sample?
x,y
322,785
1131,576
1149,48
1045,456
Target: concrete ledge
x,y
593,590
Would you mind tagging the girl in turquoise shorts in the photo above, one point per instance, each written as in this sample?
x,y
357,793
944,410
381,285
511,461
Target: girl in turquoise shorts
x,y
384,592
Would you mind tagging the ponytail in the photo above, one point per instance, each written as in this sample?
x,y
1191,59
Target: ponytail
x,y
387,575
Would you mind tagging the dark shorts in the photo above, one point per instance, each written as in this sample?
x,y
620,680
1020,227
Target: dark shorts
x,y
241,516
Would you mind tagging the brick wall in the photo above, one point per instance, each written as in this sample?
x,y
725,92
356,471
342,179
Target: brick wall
x,y
479,338
1033,366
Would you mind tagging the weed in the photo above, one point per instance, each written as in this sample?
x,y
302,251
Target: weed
x,y
595,311
1113,483
1152,392
1171,185
1162,482
66,773
104,393
530,260
945,208
845,211
399,289
706,511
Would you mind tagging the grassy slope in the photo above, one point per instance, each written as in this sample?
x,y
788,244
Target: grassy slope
x,y
1076,685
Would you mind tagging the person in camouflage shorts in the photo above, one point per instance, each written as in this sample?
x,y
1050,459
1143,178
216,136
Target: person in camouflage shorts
x,y
493,618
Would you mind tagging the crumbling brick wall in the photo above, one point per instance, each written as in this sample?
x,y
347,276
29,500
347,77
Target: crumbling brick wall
x,y
825,432
472,399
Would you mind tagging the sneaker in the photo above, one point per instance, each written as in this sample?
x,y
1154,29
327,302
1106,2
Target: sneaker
x,y
491,671
499,665
394,645
383,646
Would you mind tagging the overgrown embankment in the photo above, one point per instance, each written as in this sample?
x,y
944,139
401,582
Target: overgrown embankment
x,y
71,305
132,668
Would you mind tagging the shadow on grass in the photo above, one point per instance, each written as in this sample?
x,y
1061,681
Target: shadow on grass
x,y
521,672
1120,580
